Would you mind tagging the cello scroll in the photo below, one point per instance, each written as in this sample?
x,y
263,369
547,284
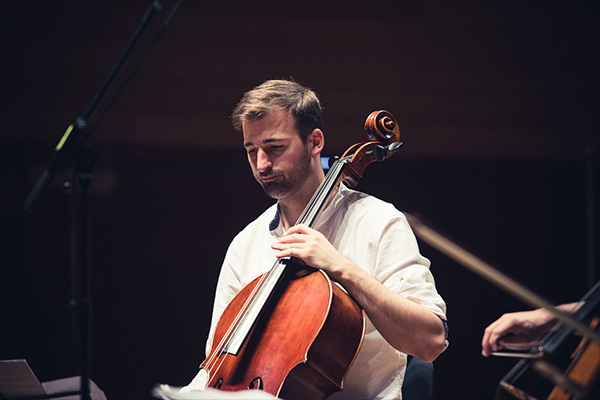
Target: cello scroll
x,y
381,127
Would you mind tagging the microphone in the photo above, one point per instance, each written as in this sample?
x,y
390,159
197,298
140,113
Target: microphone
x,y
63,153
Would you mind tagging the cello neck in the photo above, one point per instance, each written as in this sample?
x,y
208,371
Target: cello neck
x,y
323,194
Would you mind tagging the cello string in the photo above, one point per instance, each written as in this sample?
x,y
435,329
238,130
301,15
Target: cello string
x,y
308,215
304,216
320,193
230,329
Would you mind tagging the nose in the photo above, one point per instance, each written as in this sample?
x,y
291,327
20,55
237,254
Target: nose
x,y
263,163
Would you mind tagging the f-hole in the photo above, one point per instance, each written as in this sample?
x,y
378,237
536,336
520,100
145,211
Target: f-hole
x,y
219,383
256,384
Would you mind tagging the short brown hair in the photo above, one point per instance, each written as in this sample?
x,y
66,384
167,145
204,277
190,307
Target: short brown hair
x,y
301,102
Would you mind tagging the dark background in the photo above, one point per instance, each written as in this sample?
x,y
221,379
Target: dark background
x,y
497,103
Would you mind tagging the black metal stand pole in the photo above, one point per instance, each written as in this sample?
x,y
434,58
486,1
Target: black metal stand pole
x,y
81,303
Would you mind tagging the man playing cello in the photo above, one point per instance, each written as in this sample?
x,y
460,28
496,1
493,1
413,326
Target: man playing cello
x,y
361,242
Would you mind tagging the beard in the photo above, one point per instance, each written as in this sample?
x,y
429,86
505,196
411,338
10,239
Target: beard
x,y
286,184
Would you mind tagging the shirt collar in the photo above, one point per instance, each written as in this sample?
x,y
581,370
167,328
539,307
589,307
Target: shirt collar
x,y
275,226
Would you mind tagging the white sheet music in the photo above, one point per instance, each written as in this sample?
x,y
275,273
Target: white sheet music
x,y
166,392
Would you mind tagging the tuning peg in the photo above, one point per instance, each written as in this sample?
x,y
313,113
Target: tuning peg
x,y
394,147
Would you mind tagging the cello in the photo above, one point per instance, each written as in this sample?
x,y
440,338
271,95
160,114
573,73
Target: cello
x,y
563,366
292,332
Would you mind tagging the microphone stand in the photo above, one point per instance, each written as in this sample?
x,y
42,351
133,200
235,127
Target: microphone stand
x,y
72,149
80,305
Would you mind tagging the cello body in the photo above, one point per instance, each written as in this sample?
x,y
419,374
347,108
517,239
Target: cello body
x,y
299,346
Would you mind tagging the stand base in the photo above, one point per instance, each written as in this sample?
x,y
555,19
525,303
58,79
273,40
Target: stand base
x,y
18,382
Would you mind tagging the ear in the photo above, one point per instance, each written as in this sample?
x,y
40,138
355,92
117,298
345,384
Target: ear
x,y
317,139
